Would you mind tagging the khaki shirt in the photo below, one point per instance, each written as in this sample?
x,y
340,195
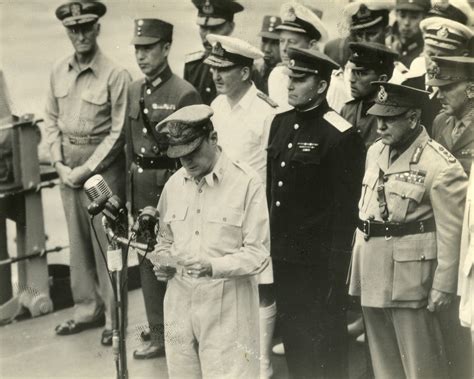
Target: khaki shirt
x,y
86,101
223,218
426,181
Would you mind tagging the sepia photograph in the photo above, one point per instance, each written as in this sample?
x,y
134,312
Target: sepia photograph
x,y
235,189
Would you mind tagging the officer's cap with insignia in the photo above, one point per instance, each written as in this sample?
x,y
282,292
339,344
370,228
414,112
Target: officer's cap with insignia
x,y
269,25
445,33
149,31
309,61
366,14
300,19
229,51
79,12
395,99
413,5
216,12
449,70
371,55
186,129
455,10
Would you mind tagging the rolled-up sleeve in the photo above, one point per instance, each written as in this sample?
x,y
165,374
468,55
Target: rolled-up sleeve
x,y
114,141
254,254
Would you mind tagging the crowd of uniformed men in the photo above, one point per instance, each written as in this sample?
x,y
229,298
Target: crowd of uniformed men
x,y
304,150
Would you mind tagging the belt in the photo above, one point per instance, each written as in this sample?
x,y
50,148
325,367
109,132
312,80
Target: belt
x,y
390,229
148,163
85,140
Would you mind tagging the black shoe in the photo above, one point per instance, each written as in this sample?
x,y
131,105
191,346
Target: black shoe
x,y
71,327
151,351
106,338
145,335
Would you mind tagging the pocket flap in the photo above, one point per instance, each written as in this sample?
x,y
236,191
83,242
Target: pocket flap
x,y
95,97
60,90
176,214
307,157
228,216
415,250
404,190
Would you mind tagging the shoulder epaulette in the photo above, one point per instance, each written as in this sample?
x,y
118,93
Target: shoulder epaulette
x,y
267,99
336,120
191,57
442,151
415,158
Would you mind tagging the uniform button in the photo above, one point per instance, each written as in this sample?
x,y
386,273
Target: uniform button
x,y
145,111
385,178
224,219
280,184
290,145
148,91
140,170
174,216
196,232
422,258
296,126
404,196
208,89
144,131
200,191
283,164
198,211
155,149
277,203
404,53
143,150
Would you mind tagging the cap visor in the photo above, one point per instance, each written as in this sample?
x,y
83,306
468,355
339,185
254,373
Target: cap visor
x,y
441,82
210,21
216,62
291,29
179,151
410,7
142,40
294,73
269,35
386,110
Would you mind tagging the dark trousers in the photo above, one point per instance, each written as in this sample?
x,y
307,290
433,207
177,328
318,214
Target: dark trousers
x,y
153,295
312,321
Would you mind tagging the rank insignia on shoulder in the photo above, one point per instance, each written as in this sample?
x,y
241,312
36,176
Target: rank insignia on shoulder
x,y
336,120
267,99
417,154
467,153
191,57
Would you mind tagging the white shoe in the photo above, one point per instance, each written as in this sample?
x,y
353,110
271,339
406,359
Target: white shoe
x,y
279,349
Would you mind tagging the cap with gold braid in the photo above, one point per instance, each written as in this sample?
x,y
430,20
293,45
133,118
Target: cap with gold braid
x,y
365,14
395,99
79,12
449,70
186,128
229,51
445,33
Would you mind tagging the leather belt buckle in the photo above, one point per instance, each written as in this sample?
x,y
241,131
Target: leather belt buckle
x,y
387,236
366,231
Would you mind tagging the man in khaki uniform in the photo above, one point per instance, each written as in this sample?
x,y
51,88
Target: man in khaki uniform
x,y
406,252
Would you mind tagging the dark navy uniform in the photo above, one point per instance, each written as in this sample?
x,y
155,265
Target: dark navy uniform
x,y
408,50
148,166
315,167
355,111
199,75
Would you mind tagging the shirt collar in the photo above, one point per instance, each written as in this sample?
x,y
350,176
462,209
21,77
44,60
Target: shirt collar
x,y
247,99
94,65
162,77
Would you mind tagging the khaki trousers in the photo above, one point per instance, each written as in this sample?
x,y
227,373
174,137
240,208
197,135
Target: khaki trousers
x,y
212,328
405,343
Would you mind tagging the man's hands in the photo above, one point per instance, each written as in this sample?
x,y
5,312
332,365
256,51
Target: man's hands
x,y
438,300
164,273
197,267
73,178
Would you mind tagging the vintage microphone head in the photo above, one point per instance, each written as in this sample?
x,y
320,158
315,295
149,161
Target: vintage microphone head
x,y
96,186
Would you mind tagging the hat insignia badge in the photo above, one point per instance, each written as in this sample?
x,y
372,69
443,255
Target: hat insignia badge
x,y
291,63
208,8
218,50
75,9
290,15
433,72
382,95
363,11
443,32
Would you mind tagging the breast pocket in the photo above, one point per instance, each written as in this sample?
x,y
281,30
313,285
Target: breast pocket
x,y
60,93
94,105
368,185
403,199
176,218
413,269
225,228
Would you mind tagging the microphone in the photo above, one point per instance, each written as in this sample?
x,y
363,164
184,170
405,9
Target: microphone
x,y
146,223
98,192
